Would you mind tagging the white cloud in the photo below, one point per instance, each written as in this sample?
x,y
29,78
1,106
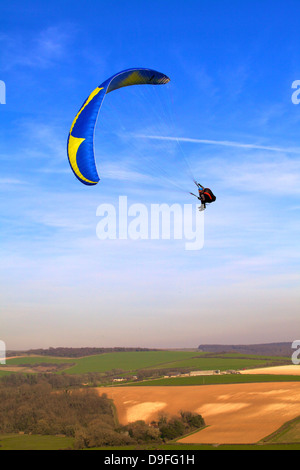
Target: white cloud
x,y
10,181
223,143
42,51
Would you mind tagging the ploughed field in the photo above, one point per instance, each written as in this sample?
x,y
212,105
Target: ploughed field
x,y
234,413
277,370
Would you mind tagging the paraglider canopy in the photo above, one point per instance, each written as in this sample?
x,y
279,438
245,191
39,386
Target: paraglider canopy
x,y
80,145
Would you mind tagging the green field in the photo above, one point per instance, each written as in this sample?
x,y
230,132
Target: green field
x,y
289,432
38,360
130,362
34,442
215,379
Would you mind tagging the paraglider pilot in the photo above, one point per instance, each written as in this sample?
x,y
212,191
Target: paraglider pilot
x,y
206,196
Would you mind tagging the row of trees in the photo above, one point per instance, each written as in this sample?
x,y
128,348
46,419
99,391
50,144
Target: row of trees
x,y
139,432
74,352
93,379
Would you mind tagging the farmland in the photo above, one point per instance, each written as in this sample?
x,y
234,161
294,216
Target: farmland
x,y
133,361
235,394
234,413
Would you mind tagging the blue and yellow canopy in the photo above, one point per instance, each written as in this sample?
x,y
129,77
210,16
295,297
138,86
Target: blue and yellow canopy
x,y
81,136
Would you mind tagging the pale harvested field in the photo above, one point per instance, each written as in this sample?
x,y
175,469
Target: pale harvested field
x,y
237,413
276,370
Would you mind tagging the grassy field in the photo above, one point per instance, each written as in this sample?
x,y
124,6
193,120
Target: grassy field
x,y
129,361
216,379
289,432
34,442
16,361
137,360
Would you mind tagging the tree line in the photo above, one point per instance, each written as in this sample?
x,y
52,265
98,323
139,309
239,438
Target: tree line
x,y
74,352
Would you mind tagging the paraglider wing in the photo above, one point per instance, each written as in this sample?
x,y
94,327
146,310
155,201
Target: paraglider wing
x,y
80,145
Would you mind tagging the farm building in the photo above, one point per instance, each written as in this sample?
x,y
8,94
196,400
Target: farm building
x,y
204,372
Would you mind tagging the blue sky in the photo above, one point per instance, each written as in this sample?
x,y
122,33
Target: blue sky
x,y
227,114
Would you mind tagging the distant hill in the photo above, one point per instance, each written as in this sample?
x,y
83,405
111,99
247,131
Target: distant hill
x,y
269,349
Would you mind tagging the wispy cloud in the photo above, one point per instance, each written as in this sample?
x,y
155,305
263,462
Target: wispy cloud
x,y
10,181
121,172
42,51
224,143
257,174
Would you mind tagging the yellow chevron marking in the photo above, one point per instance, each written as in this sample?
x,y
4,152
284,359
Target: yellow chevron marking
x,y
73,146
75,142
92,95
